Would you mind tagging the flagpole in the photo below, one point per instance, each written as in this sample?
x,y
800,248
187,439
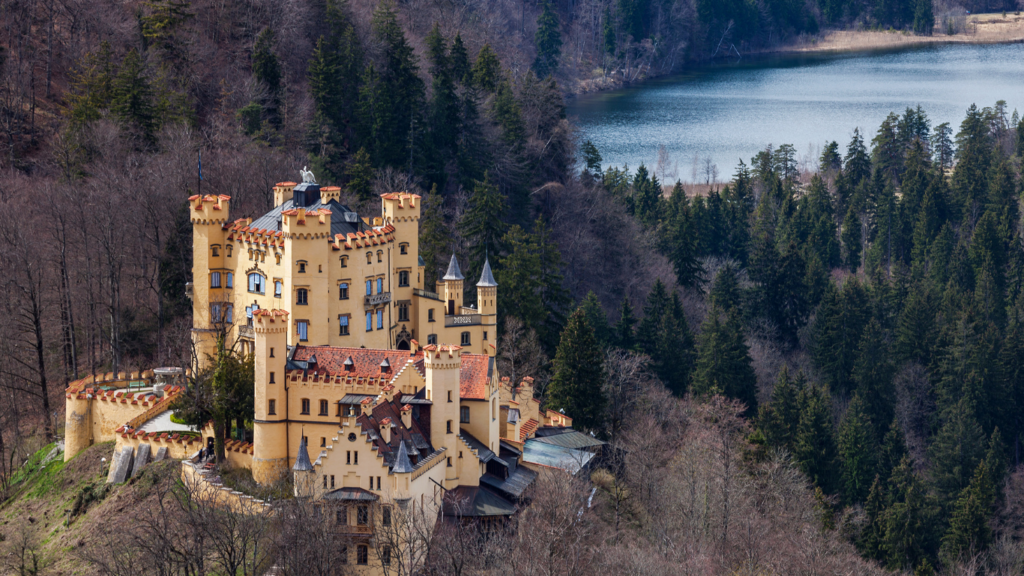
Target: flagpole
x,y
199,182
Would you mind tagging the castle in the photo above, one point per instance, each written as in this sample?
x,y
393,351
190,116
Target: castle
x,y
359,416
345,281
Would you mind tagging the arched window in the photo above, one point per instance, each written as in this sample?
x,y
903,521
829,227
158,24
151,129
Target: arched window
x,y
257,283
369,257
305,406
302,297
344,261
229,247
380,255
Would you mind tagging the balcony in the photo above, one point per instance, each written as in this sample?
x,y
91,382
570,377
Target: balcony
x,y
377,299
246,332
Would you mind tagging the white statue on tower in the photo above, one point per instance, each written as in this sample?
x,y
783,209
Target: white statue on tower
x,y
307,176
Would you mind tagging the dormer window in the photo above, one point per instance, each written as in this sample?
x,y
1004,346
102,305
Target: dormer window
x,y
349,365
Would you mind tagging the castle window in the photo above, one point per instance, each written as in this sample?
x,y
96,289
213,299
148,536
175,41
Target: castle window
x,y
369,287
302,267
362,515
403,278
271,351
369,257
344,261
380,285
215,280
272,378
403,312
380,255
278,288
355,458
385,516
385,556
448,427
431,338
231,280
215,313
465,339
362,554
302,297
342,325
485,335
344,555
256,283
369,321
302,327
278,256
250,253
323,409
403,248
216,250
380,319
343,291
348,457
323,442
305,406
430,315
319,267
464,415
449,461
449,398
229,314
271,407
325,482
229,247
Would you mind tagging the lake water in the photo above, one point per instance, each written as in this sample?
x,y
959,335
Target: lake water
x,y
730,112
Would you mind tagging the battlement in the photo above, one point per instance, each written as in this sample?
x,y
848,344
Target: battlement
x,y
270,321
209,209
375,237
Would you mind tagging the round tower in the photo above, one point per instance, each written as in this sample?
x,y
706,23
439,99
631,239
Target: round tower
x,y
77,423
453,279
487,304
270,421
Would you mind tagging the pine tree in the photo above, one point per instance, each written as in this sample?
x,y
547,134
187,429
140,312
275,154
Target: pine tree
x,y
597,318
906,524
482,224
665,336
625,335
857,453
549,41
924,18
553,293
726,293
486,69
591,159
576,386
815,446
608,33
956,451
723,364
518,273
132,99
851,237
873,373
459,61
969,532
508,114
435,238
857,162
267,71
892,451
838,327
360,175
778,419
92,83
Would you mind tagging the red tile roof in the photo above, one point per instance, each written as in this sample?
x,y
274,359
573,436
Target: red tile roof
x,y
473,378
528,427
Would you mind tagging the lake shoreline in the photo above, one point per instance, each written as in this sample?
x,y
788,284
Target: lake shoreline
x,y
985,29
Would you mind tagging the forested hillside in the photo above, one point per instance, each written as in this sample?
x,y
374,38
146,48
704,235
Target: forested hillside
x,y
869,316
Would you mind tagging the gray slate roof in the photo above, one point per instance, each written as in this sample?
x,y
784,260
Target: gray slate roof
x,y
302,463
570,439
343,219
402,463
482,451
475,501
516,483
453,272
486,277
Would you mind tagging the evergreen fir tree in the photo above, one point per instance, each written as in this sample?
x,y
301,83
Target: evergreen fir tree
x,y
486,69
906,524
360,175
723,364
553,294
519,274
873,373
435,238
857,452
267,71
549,41
482,224
892,451
576,386
664,335
726,293
625,335
778,419
815,446
837,331
591,158
459,61
597,319
956,451
857,163
132,100
969,532
851,240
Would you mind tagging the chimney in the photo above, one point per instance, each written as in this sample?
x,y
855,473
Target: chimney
x,y
385,430
407,416
389,392
367,406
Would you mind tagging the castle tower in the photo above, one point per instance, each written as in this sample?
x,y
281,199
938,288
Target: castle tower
x,y
283,192
304,474
77,425
209,214
443,367
486,303
453,287
270,422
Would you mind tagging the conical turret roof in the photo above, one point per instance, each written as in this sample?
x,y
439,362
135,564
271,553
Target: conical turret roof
x,y
402,462
302,463
486,277
453,272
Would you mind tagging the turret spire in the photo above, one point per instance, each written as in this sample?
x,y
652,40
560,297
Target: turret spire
x,y
453,272
486,277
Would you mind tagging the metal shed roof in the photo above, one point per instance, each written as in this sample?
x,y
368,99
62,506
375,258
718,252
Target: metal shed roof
x,y
567,459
